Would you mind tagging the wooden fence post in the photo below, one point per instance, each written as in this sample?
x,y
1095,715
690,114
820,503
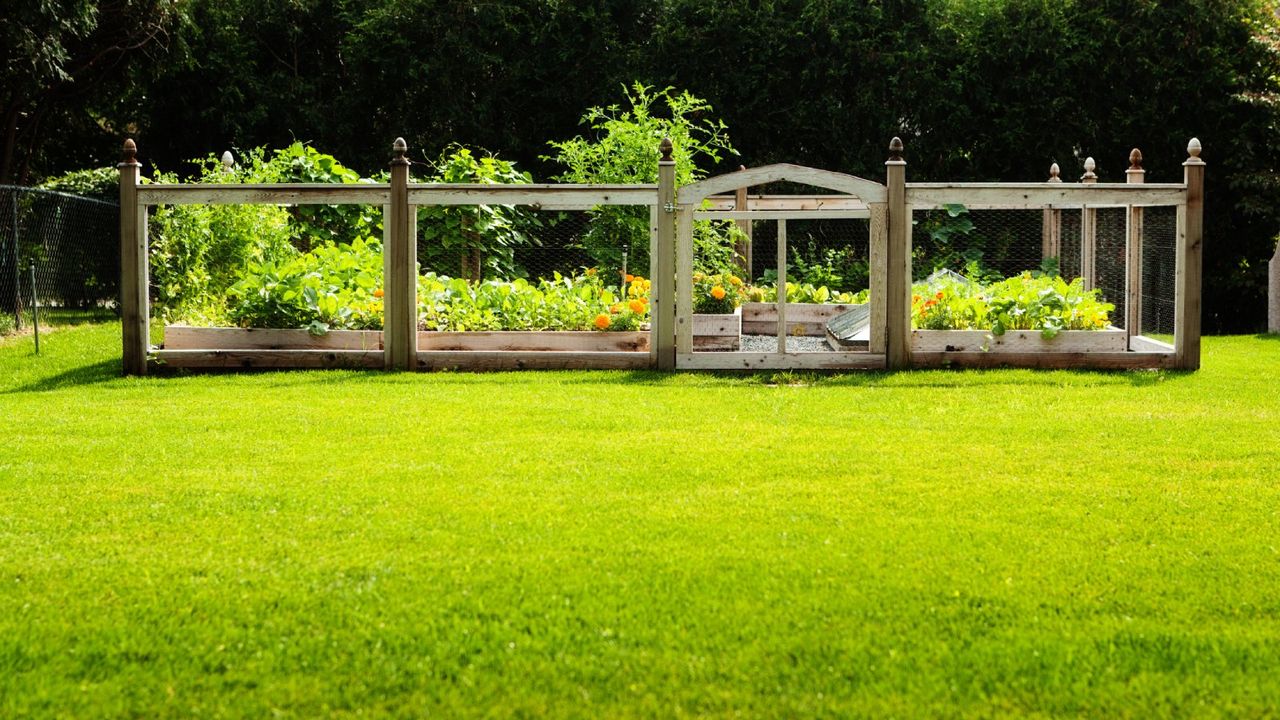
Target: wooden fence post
x,y
897,298
663,297
743,247
1186,329
1135,175
1089,232
400,284
134,311
1051,225
1273,293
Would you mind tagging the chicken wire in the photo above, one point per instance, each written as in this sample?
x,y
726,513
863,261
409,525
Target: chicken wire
x,y
72,243
1159,271
834,253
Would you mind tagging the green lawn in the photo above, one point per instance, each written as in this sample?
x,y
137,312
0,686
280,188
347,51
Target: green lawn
x,y
921,544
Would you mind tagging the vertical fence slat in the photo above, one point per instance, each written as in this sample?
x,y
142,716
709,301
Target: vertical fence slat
x,y
662,300
742,248
133,266
897,299
1186,329
1051,224
782,287
1089,232
1135,175
879,276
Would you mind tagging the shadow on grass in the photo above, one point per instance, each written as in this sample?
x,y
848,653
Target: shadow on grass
x,y
99,372
1267,336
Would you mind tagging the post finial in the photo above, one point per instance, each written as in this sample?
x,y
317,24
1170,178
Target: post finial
x,y
1089,167
1054,172
130,154
895,149
1135,159
1193,148
398,149
665,147
228,162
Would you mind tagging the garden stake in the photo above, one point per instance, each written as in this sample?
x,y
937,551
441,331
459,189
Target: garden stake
x,y
35,307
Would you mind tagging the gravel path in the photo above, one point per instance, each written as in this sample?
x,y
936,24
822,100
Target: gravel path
x,y
769,343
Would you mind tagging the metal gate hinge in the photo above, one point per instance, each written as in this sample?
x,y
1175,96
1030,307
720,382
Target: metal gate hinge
x,y
669,207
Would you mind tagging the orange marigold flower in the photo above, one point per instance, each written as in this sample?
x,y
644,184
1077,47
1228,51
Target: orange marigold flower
x,y
602,321
939,296
590,272
615,308
628,277
378,292
930,303
644,300
915,298
636,306
717,292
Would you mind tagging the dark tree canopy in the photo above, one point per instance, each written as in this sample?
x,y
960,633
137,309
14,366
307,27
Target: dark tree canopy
x,y
978,89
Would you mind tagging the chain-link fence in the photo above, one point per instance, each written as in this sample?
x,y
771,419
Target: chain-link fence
x,y
59,252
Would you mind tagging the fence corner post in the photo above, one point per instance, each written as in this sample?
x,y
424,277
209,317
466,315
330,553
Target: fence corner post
x,y
1135,175
400,307
134,313
898,258
1051,224
1273,293
663,301
1186,329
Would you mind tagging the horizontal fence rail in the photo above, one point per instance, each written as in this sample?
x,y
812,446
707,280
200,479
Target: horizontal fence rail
x,y
1032,196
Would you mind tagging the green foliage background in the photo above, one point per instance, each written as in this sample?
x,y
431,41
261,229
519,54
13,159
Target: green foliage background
x,y
978,89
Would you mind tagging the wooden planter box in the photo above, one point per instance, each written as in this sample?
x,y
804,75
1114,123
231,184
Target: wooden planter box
x,y
717,332
806,319
181,337
1016,341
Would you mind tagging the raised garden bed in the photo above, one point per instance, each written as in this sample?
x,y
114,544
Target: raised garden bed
x,y
181,337
806,319
717,332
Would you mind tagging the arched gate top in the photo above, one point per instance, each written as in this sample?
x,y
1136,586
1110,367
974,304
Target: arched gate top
x,y
868,190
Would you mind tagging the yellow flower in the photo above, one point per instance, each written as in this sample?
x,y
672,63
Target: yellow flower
x,y
698,277
646,284
735,281
602,321
636,306
717,292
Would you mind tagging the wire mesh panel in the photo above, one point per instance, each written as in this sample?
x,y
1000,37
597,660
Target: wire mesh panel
x,y
981,243
1111,243
1159,271
70,241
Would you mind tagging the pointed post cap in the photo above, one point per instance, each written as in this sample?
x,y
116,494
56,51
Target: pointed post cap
x,y
1193,151
665,147
1135,160
129,155
895,149
398,150
228,162
1089,167
1054,172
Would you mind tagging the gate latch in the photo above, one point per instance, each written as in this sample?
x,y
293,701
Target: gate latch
x,y
669,207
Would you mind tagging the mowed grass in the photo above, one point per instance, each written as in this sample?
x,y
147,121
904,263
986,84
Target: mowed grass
x,y
605,544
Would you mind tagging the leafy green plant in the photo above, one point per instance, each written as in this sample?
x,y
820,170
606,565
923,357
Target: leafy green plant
x,y
1023,302
199,251
328,288
624,149
478,239
102,183
806,293
577,302
315,224
718,293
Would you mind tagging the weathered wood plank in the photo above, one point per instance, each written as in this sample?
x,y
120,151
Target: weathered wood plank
x,y
775,361
1034,196
272,359
271,194
1189,263
135,312
684,281
1018,341
1045,360
879,261
483,360
785,202
806,319
662,294
897,301
185,337
705,324
550,195
781,214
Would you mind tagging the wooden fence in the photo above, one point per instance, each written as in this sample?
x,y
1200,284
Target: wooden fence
x,y
888,205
